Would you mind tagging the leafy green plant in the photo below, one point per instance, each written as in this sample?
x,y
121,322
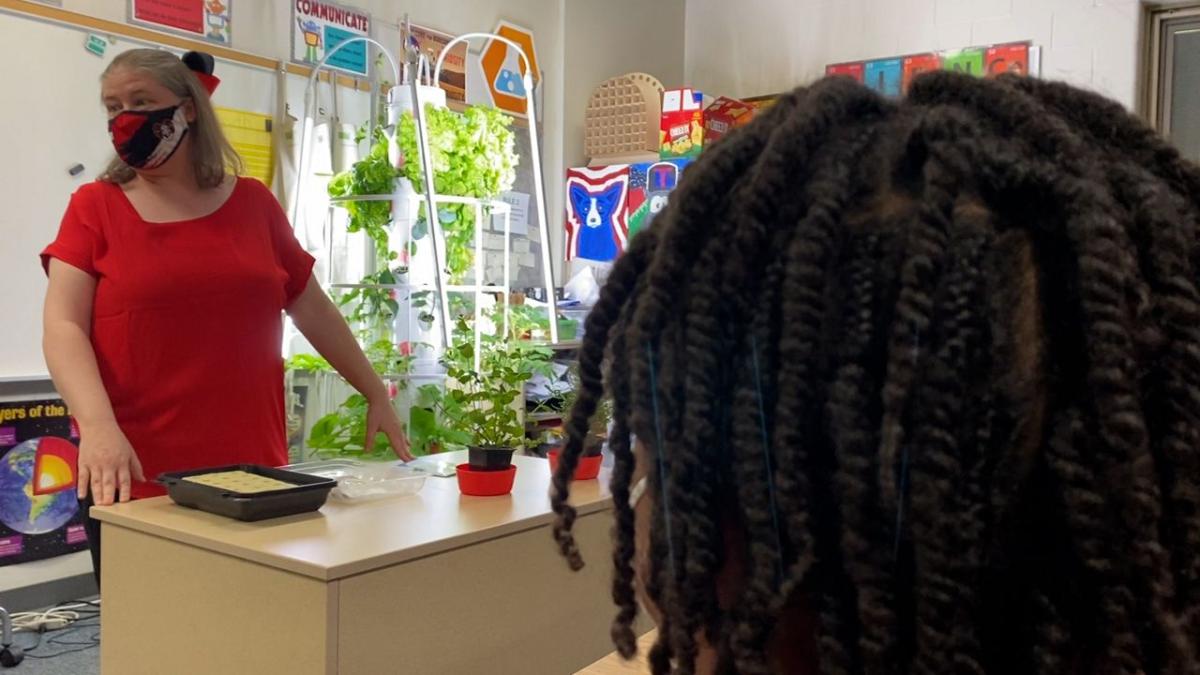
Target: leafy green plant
x,y
341,433
473,155
309,362
371,175
479,404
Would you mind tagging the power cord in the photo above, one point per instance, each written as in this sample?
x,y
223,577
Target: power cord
x,y
65,619
55,618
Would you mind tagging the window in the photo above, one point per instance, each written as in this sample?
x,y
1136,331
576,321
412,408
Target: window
x,y
1173,91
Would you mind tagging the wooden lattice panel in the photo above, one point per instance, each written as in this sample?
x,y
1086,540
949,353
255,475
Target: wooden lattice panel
x,y
623,116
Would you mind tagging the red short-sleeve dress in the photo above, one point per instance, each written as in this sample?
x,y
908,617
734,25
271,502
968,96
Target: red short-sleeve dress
x,y
187,324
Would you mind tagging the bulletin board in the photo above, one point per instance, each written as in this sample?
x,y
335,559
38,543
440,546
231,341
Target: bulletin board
x,y
73,131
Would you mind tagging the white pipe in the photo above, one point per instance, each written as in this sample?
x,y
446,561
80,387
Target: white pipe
x,y
539,187
302,160
539,191
507,267
432,214
478,286
437,70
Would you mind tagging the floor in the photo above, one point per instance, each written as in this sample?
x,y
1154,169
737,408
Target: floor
x,y
76,651
613,664
72,651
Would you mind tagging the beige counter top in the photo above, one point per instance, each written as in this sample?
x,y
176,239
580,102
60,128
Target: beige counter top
x,y
345,539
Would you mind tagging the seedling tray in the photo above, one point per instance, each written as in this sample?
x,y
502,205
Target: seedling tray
x,y
308,493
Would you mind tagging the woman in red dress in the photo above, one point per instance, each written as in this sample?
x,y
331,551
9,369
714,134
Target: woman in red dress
x,y
168,282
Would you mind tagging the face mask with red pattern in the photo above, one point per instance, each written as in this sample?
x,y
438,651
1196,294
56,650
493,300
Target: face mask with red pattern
x,y
146,139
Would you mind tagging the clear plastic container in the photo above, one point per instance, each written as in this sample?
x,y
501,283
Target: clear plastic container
x,y
360,481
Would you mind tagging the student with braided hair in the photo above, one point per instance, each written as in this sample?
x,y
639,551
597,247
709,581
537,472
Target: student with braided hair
x,y
909,387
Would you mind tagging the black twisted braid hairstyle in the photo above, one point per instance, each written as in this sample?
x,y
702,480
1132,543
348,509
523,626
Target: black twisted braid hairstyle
x,y
927,372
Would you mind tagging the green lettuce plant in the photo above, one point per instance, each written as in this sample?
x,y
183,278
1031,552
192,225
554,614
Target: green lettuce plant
x,y
473,156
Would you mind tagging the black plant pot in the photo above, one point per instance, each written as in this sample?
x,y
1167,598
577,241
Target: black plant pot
x,y
488,458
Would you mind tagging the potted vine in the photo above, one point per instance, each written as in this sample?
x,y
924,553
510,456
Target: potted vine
x,y
482,409
593,445
589,463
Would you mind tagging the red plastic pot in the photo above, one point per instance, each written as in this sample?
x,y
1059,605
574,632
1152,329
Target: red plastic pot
x,y
485,483
588,468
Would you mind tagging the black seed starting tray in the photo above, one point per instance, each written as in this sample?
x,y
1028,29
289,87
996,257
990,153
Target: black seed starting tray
x,y
303,493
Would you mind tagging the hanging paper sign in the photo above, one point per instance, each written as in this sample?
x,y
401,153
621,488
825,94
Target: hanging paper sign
x,y
968,61
504,70
852,70
1011,58
919,63
453,78
206,19
319,27
884,76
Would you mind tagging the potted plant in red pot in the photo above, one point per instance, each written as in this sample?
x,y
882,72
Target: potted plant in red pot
x,y
589,463
483,406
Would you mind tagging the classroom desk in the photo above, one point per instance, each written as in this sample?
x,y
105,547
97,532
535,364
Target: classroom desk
x,y
431,583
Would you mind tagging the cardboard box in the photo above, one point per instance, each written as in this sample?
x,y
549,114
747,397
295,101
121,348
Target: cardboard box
x,y
725,115
681,133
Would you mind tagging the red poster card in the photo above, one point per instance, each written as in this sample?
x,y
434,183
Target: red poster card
x,y
853,70
1007,59
187,15
919,63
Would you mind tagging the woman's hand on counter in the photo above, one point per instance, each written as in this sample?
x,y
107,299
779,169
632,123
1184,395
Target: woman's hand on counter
x,y
381,416
107,464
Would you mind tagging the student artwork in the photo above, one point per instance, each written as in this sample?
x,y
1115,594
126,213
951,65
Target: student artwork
x,y
852,70
884,76
1007,59
596,220
969,61
650,185
919,63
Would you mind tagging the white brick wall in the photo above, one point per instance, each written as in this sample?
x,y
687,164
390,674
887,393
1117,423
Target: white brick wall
x,y
767,46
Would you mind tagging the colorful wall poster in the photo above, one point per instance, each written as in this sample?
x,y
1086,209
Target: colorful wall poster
x,y
39,512
969,61
1011,58
319,27
884,76
650,186
205,19
504,70
597,225
431,42
919,63
852,70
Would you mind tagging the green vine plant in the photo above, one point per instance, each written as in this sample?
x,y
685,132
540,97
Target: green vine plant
x,y
473,156
481,407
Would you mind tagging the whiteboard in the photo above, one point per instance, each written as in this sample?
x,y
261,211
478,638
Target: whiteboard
x,y
52,119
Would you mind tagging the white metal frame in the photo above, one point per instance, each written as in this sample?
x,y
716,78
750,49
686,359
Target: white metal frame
x,y
432,199
1159,59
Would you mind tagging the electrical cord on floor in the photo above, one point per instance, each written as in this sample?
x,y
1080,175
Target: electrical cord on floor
x,y
55,618
64,620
